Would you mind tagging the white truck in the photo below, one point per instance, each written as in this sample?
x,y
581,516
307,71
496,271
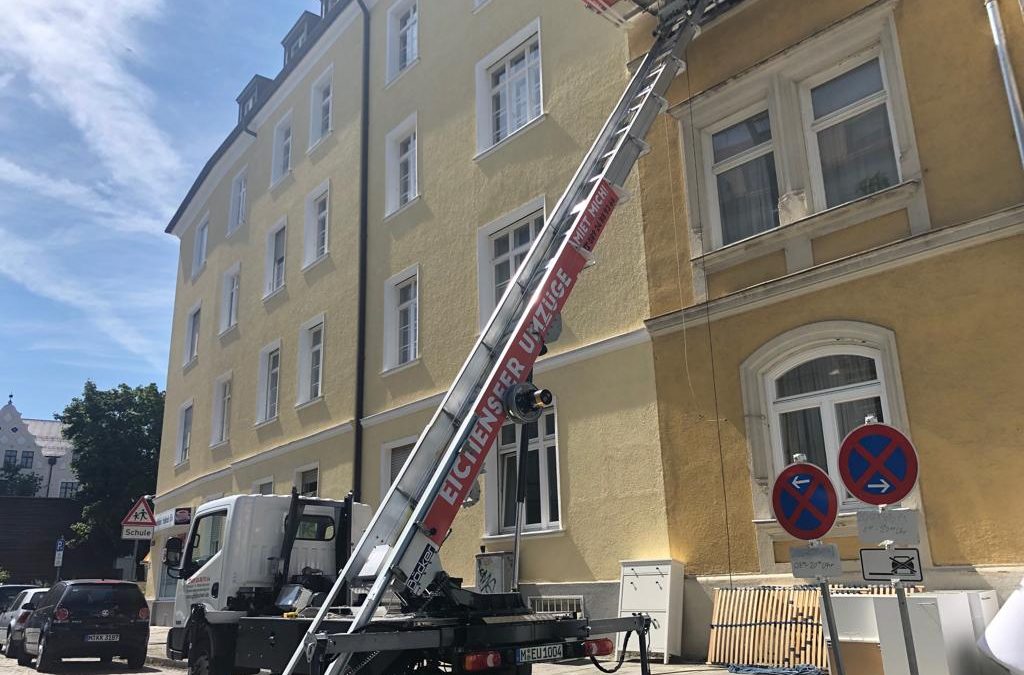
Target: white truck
x,y
315,606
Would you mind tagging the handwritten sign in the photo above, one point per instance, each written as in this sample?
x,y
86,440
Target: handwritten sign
x,y
899,526
816,562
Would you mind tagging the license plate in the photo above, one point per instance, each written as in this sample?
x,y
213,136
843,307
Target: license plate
x,y
103,637
539,653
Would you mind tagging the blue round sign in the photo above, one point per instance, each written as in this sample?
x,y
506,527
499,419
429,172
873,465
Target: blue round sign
x,y
805,501
878,464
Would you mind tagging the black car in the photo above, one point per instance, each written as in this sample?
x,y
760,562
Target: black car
x,y
87,617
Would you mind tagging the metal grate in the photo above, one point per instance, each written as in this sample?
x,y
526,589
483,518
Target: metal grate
x,y
557,604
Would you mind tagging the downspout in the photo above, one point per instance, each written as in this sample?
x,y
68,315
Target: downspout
x,y
364,189
1009,79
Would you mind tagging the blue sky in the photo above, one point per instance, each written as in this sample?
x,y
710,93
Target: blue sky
x,y
107,112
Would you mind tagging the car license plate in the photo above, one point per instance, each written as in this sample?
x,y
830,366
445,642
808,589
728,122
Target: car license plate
x,y
539,653
103,637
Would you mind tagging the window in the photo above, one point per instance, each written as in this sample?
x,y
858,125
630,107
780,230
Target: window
x,y
229,287
320,107
508,250
184,432
26,459
401,319
239,187
10,458
393,457
542,494
68,489
270,382
282,150
294,48
207,540
401,165
264,486
315,527
403,36
307,479
168,585
317,228
311,360
276,250
192,336
745,181
199,248
221,410
509,90
818,126
850,127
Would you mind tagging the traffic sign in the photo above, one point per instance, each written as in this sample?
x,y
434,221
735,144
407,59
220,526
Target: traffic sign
x,y
816,562
804,501
878,464
898,526
136,532
886,564
140,515
58,555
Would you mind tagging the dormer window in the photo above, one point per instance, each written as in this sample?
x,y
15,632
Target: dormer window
x,y
249,99
296,40
295,47
247,107
326,6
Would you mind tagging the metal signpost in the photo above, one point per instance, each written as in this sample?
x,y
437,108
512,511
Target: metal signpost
x,y
137,526
879,466
806,506
58,555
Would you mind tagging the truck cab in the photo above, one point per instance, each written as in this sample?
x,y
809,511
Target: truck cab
x,y
255,555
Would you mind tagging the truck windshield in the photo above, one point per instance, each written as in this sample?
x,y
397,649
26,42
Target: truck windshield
x,y
207,538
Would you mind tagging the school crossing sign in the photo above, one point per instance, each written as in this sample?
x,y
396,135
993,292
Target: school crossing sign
x,y
139,522
805,501
878,464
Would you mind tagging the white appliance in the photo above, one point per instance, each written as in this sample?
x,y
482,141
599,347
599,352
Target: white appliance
x,y
654,587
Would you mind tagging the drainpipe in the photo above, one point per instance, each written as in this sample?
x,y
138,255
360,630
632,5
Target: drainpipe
x,y
1009,79
364,182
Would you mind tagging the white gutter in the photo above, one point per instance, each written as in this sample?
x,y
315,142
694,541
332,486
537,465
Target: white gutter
x,y
1006,67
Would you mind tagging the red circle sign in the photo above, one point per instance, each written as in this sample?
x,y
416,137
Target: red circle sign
x,y
878,464
805,501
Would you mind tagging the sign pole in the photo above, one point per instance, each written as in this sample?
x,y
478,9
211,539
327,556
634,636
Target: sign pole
x,y
901,601
830,619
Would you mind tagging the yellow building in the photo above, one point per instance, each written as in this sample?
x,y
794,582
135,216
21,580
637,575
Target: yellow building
x,y
834,228
478,114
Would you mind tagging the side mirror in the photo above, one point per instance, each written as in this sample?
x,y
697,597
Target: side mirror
x,y
28,606
172,552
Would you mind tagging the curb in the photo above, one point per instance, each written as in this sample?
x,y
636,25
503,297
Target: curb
x,y
163,662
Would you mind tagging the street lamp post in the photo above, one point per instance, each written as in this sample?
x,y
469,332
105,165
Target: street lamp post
x,y
51,458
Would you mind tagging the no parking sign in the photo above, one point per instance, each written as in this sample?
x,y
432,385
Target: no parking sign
x,y
805,501
878,464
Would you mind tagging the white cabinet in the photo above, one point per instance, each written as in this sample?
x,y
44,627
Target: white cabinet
x,y
654,587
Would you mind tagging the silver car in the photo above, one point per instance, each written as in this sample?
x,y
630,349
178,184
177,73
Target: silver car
x,y
12,622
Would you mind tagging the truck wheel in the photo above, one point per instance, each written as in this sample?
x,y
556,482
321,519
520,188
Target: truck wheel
x,y
202,662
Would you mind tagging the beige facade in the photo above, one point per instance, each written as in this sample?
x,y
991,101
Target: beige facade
x,y
599,460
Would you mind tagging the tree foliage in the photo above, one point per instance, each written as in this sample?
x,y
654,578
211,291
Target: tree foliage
x,y
116,438
17,483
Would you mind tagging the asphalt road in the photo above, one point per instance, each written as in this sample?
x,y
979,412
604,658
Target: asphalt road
x,y
84,667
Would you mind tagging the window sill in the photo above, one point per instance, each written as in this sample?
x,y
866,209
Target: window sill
x,y
486,152
401,209
537,534
481,5
319,142
274,293
316,261
220,444
197,272
815,225
302,405
190,364
280,179
234,229
264,423
181,466
395,77
228,331
391,370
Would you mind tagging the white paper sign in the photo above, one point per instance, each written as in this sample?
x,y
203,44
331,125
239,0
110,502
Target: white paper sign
x,y
813,562
896,525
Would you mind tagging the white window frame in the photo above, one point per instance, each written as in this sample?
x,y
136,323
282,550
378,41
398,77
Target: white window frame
x,y
270,267
391,308
230,294
311,233
239,200
484,111
758,373
277,170
493,491
260,482
200,243
776,84
263,383
316,104
305,365
385,460
395,13
297,477
220,426
184,449
193,333
484,255
392,161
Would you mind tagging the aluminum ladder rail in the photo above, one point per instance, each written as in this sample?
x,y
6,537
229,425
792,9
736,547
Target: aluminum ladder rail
x,y
400,539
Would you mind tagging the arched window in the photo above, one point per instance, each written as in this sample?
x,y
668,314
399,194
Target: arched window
x,y
806,389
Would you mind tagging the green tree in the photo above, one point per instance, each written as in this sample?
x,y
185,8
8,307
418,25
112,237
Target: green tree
x,y
4,575
17,483
116,438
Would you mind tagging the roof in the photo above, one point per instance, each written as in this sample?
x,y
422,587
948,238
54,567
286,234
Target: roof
x,y
315,32
49,435
307,18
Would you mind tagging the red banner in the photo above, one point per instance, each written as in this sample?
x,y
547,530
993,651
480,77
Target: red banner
x,y
518,358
